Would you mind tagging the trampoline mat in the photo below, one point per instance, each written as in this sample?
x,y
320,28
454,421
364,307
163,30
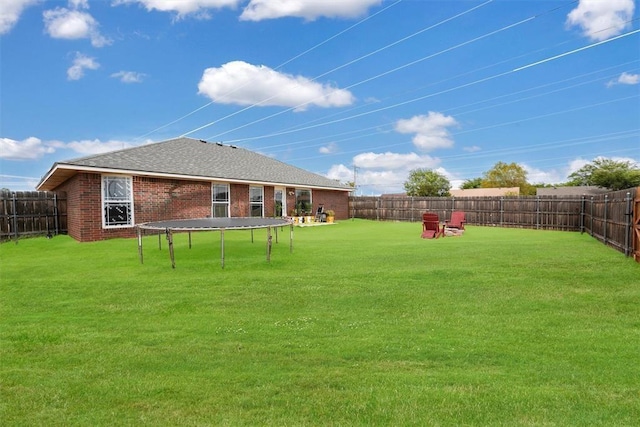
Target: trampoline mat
x,y
214,224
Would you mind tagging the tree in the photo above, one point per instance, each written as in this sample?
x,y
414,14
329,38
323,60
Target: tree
x,y
607,173
427,183
508,175
471,183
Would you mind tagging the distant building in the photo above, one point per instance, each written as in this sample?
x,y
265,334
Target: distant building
x,y
486,192
584,190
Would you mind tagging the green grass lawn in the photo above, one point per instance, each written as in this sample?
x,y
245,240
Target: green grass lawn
x,y
365,323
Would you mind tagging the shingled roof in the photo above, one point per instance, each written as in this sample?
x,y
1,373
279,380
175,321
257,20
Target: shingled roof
x,y
187,158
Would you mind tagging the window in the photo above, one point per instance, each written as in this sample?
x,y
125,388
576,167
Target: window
x,y
256,204
117,201
279,202
303,202
220,201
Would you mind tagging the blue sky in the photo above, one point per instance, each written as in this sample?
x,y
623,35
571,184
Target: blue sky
x,y
332,86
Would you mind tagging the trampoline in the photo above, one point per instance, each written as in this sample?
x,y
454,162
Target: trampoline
x,y
214,224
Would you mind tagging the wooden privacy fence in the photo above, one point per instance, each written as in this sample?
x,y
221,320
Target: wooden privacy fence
x,y
31,213
607,217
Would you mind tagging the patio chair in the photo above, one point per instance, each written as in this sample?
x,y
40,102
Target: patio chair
x,y
457,220
430,226
320,215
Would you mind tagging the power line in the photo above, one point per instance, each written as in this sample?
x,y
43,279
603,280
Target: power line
x,y
277,67
381,126
338,68
409,64
511,150
553,58
483,80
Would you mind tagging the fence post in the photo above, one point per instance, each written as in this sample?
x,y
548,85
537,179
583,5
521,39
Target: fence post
x,y
55,213
501,210
627,230
591,216
537,212
15,215
582,203
377,208
604,230
412,208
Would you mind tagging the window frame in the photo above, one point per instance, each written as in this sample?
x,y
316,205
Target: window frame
x,y
226,203
308,209
108,201
283,201
256,204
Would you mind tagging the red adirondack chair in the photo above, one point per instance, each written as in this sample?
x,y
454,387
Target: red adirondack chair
x,y
457,220
430,226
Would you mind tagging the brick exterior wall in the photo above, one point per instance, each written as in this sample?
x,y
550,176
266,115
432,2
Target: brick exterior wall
x,y
337,201
156,199
239,200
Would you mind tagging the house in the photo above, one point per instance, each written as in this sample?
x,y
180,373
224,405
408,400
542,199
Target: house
x,y
108,194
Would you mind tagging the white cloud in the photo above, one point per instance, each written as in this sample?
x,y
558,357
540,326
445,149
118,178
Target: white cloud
x,y
79,4
394,161
310,10
28,149
80,64
539,176
561,175
183,8
430,131
129,76
472,149
95,146
601,19
241,83
73,24
576,164
330,148
34,148
340,173
10,11
625,79
370,182
379,173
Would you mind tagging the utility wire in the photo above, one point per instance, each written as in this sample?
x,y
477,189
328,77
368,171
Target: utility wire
x,y
276,68
495,76
333,70
409,64
381,126
491,33
511,150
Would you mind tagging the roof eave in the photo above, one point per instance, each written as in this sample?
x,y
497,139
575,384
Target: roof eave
x,y
47,185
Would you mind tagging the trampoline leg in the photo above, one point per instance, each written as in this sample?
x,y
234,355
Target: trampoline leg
x,y
222,247
189,240
291,238
170,239
159,241
252,235
276,230
140,245
268,244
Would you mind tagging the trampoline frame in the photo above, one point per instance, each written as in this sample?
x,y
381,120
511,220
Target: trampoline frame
x,y
213,224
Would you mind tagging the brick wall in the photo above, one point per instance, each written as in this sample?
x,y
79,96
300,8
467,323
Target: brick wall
x,y
239,200
156,199
337,201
